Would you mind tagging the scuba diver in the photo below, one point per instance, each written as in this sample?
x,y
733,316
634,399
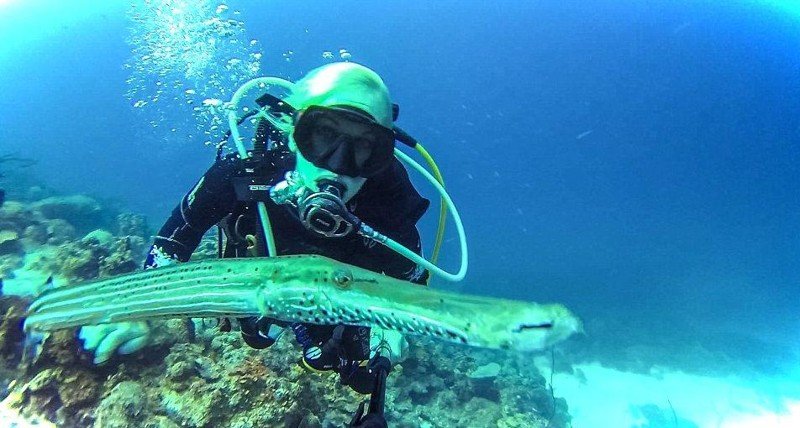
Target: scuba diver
x,y
337,150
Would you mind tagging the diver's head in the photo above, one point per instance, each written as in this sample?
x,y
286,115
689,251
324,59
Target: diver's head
x,y
343,126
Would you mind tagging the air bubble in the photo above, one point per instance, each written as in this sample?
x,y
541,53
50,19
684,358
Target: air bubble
x,y
175,48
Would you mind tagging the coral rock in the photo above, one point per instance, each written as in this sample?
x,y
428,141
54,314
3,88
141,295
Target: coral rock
x,y
129,224
9,242
490,370
79,210
78,260
59,231
119,261
35,234
125,406
42,380
8,263
100,237
15,216
77,388
11,335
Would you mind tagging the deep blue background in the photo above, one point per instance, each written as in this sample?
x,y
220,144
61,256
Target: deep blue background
x,y
636,160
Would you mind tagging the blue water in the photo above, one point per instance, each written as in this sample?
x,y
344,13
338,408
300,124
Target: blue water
x,y
637,161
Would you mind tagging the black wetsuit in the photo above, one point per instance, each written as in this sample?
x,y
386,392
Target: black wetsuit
x,y
387,202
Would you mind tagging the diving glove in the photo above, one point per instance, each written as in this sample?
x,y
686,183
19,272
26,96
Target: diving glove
x,y
106,339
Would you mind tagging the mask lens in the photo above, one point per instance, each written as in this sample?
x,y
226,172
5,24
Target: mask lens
x,y
343,141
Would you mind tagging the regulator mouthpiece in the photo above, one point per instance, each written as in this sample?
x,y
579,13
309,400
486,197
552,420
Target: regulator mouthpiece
x,y
325,214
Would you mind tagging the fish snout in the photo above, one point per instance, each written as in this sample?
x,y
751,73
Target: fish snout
x,y
542,329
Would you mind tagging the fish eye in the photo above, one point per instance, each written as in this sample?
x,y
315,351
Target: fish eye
x,y
342,278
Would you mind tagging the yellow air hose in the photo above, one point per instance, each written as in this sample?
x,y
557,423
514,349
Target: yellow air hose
x,y
442,206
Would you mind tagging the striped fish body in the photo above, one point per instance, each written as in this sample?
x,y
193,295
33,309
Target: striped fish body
x,y
309,289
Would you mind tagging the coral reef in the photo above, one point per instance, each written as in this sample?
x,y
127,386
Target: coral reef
x,y
61,386
41,236
80,211
12,310
92,257
438,386
218,381
123,406
192,375
130,224
9,242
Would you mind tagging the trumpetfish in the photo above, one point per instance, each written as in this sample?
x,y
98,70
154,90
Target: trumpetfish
x,y
308,289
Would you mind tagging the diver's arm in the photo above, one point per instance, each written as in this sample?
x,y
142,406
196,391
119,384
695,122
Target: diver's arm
x,y
201,208
392,205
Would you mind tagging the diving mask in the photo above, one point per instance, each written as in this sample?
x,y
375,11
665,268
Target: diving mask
x,y
343,140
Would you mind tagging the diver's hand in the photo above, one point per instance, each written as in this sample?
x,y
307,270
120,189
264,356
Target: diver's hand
x,y
122,337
